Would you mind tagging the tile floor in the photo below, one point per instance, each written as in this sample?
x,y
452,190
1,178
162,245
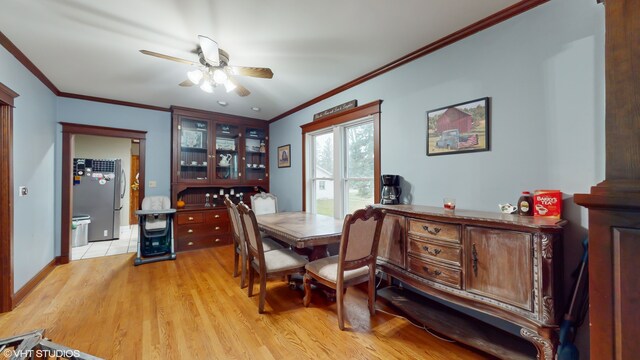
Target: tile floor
x,y
127,243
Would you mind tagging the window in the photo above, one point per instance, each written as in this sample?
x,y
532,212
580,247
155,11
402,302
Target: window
x,y
341,165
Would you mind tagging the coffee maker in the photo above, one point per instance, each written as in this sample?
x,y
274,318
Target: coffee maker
x,y
390,189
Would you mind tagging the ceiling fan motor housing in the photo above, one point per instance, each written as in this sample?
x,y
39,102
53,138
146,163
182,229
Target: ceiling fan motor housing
x,y
224,58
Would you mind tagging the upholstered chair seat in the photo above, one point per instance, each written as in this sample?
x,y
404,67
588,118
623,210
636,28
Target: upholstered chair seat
x,y
282,260
327,268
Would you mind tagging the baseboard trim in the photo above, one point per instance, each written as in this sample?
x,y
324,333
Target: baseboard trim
x,y
31,284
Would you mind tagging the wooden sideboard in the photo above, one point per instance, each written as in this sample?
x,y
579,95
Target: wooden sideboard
x,y
507,266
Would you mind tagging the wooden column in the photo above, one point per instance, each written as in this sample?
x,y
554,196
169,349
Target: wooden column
x,y
614,204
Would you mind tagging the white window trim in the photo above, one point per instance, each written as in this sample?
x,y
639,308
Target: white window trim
x,y
339,167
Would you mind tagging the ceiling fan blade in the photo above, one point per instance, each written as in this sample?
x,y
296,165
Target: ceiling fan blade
x,y
264,73
167,57
186,83
241,90
209,50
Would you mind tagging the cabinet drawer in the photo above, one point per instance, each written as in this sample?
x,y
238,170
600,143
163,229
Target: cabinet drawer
x,y
202,242
190,218
217,216
435,230
437,273
435,251
197,230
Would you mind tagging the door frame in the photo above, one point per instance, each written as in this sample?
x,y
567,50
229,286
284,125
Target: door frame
x,y
134,170
69,130
7,97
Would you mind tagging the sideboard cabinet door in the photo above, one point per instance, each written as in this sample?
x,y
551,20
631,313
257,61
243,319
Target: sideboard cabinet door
x,y
499,265
392,245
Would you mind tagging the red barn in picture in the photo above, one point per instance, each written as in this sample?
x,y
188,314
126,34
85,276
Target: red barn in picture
x,y
454,119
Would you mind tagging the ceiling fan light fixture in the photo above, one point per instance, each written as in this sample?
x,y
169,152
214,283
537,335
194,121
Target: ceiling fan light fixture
x,y
195,76
219,76
207,87
229,85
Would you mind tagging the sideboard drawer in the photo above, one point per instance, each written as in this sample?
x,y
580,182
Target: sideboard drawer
x,y
190,218
435,230
197,230
216,217
438,273
438,252
202,242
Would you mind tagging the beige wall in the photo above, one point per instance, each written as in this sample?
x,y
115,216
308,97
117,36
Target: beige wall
x,y
102,147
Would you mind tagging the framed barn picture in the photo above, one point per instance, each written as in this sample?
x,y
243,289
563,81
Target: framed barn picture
x,y
459,128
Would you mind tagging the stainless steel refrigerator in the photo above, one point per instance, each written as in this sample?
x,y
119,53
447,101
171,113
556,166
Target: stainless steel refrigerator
x,y
99,186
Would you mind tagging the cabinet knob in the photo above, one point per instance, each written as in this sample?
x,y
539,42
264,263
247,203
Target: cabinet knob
x,y
190,218
216,216
217,240
217,227
190,243
190,231
243,158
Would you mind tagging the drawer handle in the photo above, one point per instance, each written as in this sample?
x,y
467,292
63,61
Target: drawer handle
x,y
474,259
217,227
190,218
190,243
217,240
435,230
432,273
190,231
435,252
216,216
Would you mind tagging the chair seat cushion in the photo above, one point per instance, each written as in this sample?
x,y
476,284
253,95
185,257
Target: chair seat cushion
x,y
282,260
269,244
327,268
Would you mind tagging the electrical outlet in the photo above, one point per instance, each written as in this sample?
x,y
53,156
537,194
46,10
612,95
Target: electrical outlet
x,y
106,233
152,183
23,191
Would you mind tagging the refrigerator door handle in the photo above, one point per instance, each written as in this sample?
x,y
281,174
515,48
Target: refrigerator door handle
x,y
123,184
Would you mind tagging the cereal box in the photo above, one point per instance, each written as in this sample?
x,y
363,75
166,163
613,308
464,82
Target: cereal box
x,y
547,203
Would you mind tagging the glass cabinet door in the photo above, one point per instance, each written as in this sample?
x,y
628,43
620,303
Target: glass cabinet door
x,y
256,154
193,153
227,158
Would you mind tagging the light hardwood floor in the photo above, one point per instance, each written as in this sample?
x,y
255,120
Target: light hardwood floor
x,y
192,308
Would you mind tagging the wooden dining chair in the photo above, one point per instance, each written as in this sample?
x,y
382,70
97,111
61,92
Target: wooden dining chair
x,y
355,262
271,264
240,251
264,203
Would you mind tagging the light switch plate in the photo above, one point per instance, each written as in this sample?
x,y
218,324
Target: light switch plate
x,y
23,191
152,183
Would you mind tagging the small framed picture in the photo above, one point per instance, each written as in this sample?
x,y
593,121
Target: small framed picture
x,y
284,156
459,128
191,139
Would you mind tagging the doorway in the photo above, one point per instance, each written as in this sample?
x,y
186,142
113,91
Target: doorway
x,y
6,197
102,196
69,133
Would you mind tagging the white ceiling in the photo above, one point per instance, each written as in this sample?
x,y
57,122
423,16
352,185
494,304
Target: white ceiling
x,y
91,47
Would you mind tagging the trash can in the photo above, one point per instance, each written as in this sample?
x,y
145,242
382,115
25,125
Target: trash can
x,y
80,230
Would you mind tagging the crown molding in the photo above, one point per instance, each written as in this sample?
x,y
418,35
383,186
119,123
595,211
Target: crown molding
x,y
489,21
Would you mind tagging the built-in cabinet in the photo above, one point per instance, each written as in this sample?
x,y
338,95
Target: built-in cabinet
x,y
214,156
508,266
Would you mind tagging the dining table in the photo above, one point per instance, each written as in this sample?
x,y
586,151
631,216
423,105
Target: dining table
x,y
303,230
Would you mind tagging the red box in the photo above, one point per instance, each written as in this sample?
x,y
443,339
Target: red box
x,y
547,203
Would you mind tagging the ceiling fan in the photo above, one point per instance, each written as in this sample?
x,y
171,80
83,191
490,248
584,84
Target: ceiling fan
x,y
214,69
